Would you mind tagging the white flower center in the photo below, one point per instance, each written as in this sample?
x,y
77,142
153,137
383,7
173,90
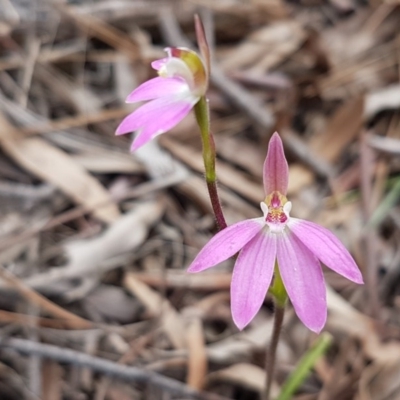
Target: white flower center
x,y
276,215
176,67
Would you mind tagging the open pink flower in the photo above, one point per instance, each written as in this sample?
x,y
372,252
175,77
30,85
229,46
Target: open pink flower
x,y
296,245
181,82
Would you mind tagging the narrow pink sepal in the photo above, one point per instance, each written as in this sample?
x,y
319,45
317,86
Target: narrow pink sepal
x,y
251,277
276,170
156,88
327,248
302,276
226,243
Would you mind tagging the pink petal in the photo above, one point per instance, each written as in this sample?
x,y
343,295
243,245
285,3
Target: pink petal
x,y
156,88
143,115
303,279
327,248
226,243
276,170
155,117
251,277
158,64
162,123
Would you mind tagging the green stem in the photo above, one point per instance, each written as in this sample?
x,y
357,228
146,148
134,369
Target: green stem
x,y
297,377
278,291
203,120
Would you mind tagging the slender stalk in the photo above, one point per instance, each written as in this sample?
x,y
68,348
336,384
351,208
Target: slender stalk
x,y
271,353
278,292
203,120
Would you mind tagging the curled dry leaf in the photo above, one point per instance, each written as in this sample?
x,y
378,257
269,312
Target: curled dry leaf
x,y
341,129
89,256
128,232
387,98
58,168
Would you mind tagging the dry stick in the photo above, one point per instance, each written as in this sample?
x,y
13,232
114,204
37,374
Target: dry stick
x,y
75,121
41,301
35,362
133,374
26,320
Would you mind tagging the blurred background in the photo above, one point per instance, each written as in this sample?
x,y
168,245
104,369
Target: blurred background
x,y
94,241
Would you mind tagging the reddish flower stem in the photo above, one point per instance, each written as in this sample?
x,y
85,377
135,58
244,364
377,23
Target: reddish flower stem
x,y
271,353
216,205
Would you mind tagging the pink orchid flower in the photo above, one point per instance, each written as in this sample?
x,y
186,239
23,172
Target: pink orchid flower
x,y
181,82
298,247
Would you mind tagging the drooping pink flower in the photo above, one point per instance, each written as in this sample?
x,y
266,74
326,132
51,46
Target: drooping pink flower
x,y
181,82
298,247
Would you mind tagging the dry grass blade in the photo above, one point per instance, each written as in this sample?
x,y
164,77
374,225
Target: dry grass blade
x,y
340,131
35,298
8,317
197,362
52,381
